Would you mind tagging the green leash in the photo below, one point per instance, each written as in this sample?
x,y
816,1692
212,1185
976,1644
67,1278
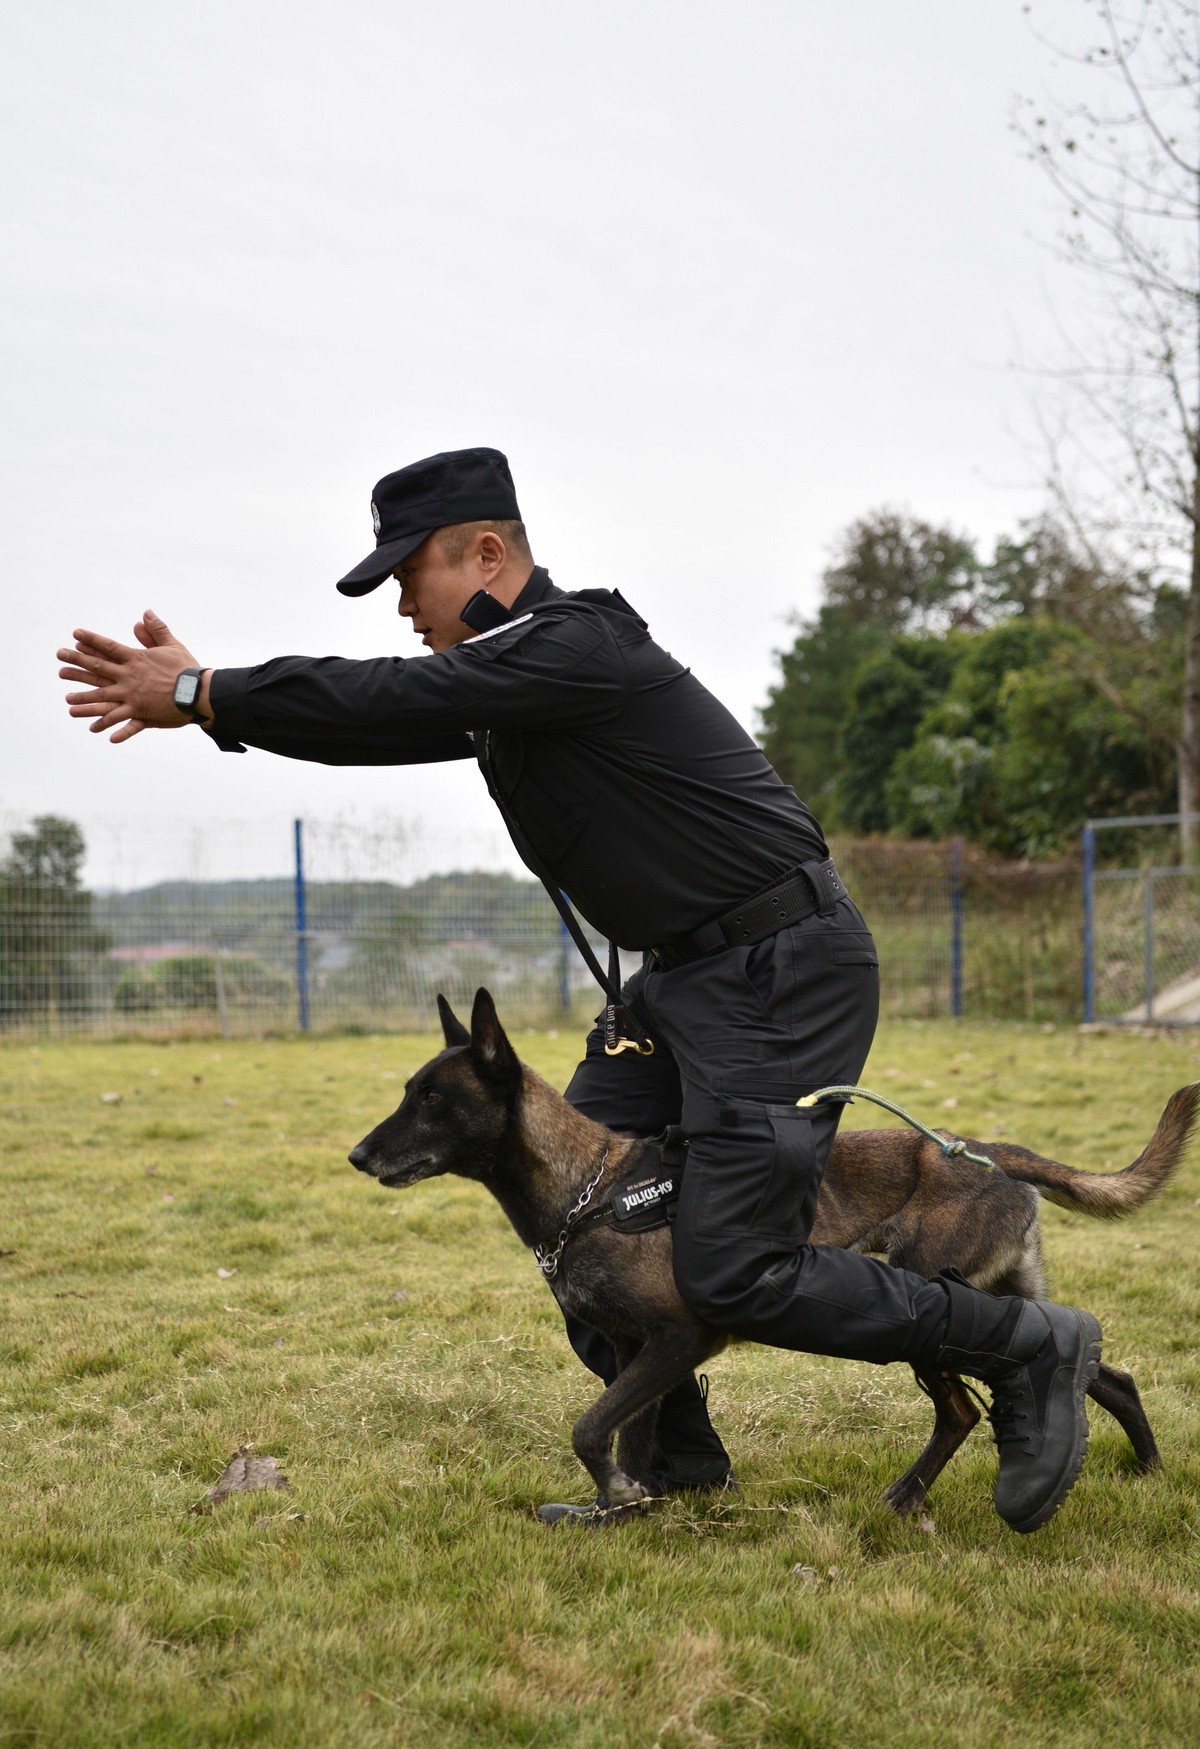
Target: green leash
x,y
955,1149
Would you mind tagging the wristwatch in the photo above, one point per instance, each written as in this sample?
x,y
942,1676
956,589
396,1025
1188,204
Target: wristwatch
x,y
187,690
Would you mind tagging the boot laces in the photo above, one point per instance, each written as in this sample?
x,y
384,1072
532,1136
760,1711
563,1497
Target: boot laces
x,y
1010,1410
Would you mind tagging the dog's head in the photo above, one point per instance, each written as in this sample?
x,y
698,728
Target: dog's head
x,y
456,1111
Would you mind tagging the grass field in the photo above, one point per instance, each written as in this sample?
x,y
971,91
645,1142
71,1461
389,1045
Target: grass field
x,y
195,1267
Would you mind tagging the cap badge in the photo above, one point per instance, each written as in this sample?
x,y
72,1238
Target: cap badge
x,y
376,519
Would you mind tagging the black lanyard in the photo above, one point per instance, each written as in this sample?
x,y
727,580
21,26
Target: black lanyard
x,y
622,1030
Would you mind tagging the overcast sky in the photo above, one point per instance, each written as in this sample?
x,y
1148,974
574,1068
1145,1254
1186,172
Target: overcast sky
x,y
717,278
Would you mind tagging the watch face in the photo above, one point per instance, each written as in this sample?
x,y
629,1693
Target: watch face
x,y
186,688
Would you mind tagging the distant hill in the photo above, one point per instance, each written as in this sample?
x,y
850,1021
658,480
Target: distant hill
x,y
464,905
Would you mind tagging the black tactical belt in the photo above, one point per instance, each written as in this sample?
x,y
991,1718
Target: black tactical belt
x,y
815,886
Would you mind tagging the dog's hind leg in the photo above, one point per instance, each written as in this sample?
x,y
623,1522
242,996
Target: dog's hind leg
x,y
1116,1392
633,1397
955,1414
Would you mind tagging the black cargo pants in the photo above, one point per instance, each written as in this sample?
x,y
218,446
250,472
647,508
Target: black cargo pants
x,y
740,1036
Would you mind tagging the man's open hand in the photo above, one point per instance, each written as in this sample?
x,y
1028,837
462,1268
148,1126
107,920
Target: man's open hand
x,y
131,688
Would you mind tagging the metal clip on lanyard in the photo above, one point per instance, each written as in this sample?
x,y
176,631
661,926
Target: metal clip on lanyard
x,y
616,1012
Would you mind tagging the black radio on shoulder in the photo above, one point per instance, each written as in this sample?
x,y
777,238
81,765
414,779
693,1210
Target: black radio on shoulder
x,y
483,613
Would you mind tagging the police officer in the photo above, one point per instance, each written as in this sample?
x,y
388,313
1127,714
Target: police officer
x,y
626,784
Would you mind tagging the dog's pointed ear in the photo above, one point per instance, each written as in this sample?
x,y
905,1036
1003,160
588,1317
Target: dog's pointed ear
x,y
453,1030
490,1049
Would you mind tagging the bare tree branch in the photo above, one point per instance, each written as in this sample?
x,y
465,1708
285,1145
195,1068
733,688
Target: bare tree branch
x,y
1124,446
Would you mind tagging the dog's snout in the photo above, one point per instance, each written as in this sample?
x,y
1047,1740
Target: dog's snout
x,y
360,1156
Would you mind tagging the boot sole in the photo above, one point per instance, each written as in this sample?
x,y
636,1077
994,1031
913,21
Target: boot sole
x,y
1086,1368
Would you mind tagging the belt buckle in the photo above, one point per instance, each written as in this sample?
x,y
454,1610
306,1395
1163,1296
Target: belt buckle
x,y
826,883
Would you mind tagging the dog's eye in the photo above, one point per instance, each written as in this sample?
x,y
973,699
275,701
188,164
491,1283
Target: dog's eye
x,y
432,1098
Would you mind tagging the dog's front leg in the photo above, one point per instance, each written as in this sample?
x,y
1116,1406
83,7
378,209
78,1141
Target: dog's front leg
x,y
954,1416
631,1403
635,1437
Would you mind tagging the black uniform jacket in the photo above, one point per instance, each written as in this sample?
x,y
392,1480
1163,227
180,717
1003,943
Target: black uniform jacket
x,y
640,793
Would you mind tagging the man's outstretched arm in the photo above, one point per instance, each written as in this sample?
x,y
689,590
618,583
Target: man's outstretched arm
x,y
558,669
131,688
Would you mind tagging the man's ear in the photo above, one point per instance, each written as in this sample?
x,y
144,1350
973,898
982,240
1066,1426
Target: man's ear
x,y
491,1052
492,553
453,1030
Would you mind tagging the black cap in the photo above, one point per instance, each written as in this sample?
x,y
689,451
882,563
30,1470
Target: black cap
x,y
462,485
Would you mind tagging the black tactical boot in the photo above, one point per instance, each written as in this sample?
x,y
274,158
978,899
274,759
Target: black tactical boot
x,y
1037,1359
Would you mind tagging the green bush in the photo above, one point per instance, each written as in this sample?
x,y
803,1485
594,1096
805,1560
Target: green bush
x,y
191,981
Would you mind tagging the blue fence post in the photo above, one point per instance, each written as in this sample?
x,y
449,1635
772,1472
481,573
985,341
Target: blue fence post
x,y
956,928
301,927
1089,924
1148,943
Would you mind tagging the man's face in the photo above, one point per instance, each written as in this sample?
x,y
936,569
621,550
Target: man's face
x,y
433,594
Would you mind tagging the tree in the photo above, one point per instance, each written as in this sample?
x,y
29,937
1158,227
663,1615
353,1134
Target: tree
x,y
48,942
1046,574
891,694
891,574
905,705
1035,732
1067,754
903,575
1127,166
805,713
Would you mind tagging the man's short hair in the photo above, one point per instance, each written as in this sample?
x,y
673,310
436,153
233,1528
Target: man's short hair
x,y
457,537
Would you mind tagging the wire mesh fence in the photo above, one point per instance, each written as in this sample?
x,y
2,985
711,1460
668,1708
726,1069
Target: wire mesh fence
x,y
1146,953
153,928
158,928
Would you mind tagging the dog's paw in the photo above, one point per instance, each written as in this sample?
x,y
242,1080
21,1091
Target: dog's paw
x,y
622,1490
905,1496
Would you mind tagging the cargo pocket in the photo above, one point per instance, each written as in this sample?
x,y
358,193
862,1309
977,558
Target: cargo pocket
x,y
853,947
752,1169
789,1195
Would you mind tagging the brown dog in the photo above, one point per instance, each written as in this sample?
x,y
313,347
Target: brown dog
x,y
476,1111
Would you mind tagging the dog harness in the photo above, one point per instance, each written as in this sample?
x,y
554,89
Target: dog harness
x,y
649,1196
644,1199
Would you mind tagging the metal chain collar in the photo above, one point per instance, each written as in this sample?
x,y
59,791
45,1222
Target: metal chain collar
x,y
548,1261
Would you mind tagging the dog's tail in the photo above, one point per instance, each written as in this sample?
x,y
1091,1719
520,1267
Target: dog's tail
x,y
1109,1195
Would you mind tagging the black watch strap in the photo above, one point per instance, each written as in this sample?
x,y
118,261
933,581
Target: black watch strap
x,y
180,695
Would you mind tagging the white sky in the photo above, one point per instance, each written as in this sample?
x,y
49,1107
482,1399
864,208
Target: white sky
x,y
717,278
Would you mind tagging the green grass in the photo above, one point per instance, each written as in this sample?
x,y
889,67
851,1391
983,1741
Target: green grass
x,y
398,1356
